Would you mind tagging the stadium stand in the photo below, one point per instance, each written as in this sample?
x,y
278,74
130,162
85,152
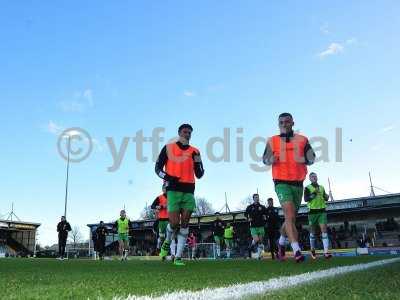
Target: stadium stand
x,y
366,221
17,238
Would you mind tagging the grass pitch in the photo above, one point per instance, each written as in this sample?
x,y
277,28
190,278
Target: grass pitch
x,y
86,279
378,283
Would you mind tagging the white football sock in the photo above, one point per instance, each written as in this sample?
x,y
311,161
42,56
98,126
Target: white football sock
x,y
312,241
295,247
182,237
170,234
282,240
173,247
325,242
259,250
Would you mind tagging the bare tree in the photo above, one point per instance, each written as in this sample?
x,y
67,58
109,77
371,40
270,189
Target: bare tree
x,y
75,236
203,207
147,213
38,247
245,202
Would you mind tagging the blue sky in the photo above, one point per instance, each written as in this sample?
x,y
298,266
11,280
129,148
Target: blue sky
x,y
116,67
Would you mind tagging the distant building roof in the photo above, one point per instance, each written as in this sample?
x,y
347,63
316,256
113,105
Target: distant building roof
x,y
8,224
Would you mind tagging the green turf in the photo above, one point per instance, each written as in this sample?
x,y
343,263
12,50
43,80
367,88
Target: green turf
x,y
83,279
378,283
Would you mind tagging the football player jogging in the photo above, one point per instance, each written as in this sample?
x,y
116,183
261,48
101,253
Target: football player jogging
x,y
289,154
273,225
63,228
101,235
315,196
123,224
160,206
178,164
218,233
228,236
256,213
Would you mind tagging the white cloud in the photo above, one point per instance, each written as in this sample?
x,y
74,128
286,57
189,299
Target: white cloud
x,y
324,29
57,130
388,128
337,48
82,100
53,128
189,93
88,95
333,49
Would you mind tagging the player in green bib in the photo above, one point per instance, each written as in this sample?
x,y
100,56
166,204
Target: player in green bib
x,y
315,196
228,237
218,233
122,225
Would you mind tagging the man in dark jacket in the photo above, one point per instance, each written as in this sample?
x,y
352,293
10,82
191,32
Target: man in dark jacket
x,y
273,225
256,213
63,228
101,234
218,234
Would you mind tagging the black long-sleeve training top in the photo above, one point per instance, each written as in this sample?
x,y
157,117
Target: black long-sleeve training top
x,y
257,213
173,183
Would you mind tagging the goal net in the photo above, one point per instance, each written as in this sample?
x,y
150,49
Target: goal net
x,y
201,251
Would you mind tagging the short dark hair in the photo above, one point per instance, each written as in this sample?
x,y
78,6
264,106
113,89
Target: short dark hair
x,y
185,126
313,173
270,199
256,195
285,114
217,213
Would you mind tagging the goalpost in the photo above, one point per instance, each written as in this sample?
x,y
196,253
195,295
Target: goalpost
x,y
77,252
201,251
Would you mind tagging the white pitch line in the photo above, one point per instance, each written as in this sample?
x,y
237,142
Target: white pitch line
x,y
239,291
